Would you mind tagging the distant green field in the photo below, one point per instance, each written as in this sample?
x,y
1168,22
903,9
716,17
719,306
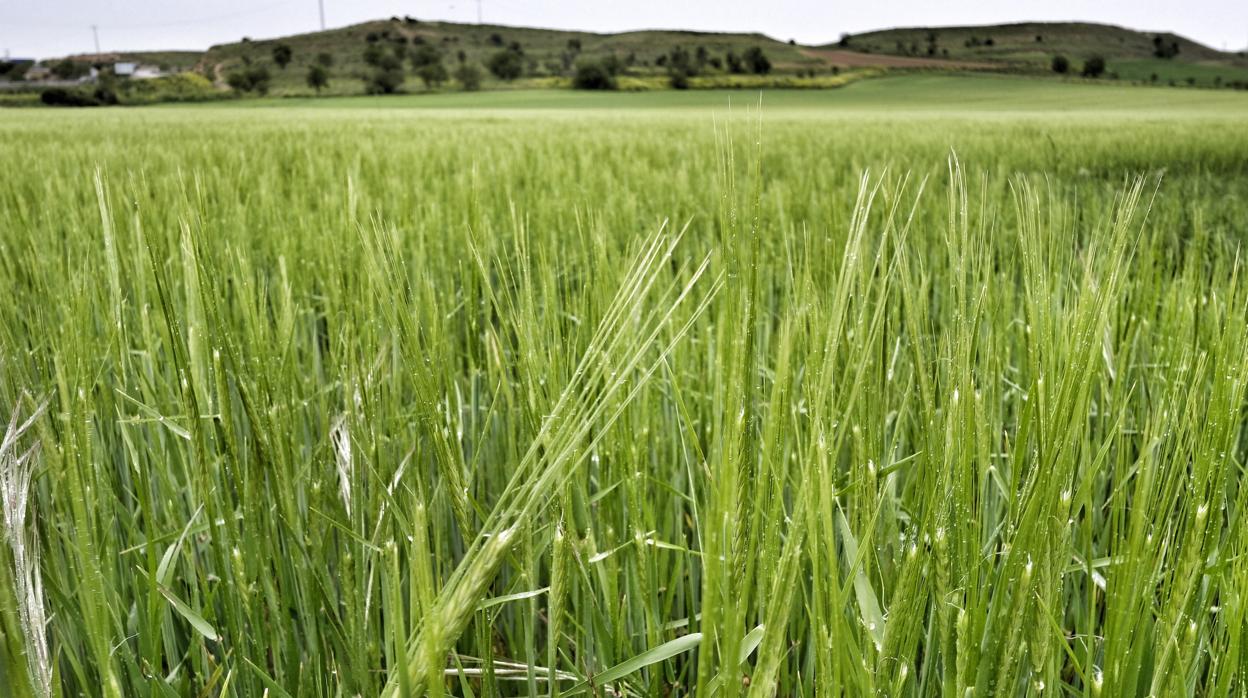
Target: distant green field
x,y
926,386
937,93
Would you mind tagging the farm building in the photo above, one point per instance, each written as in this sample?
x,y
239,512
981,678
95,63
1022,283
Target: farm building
x,y
136,71
39,72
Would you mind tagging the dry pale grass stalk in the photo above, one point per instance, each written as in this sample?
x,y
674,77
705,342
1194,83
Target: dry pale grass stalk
x,y
341,436
15,473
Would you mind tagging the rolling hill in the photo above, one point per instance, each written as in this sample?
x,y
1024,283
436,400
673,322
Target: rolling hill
x,y
547,53
549,56
1031,46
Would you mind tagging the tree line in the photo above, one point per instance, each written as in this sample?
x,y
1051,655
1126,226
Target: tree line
x,y
389,61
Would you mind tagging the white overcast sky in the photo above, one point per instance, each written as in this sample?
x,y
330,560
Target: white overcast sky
x,y
43,28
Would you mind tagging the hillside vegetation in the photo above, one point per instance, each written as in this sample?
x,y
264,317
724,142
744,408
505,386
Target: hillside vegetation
x,y
1129,54
550,55
405,54
544,54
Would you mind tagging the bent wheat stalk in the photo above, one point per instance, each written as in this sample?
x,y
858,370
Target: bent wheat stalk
x,y
610,374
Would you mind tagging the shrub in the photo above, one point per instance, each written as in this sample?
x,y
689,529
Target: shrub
x,y
386,78
104,94
424,55
468,77
1094,67
734,63
678,81
325,59
593,75
374,54
506,65
613,64
1061,65
252,78
1163,48
259,79
318,77
61,97
383,82
432,74
183,87
282,55
387,75
756,61
679,61
68,70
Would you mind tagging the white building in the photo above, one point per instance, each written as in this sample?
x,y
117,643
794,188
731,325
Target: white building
x,y
137,71
38,73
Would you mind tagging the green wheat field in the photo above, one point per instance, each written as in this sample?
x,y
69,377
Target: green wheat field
x,y
928,386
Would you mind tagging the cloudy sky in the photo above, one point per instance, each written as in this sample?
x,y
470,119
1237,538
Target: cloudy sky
x,y
42,28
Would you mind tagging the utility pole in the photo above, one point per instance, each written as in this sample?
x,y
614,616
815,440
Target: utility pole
x,y
95,32
321,5
478,11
